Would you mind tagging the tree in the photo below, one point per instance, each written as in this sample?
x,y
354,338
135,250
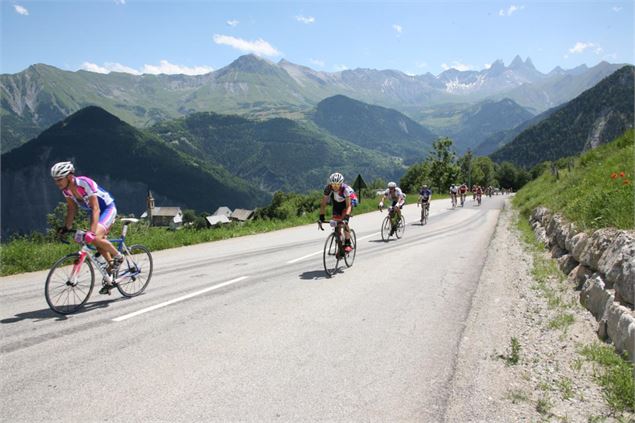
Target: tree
x,y
416,175
443,167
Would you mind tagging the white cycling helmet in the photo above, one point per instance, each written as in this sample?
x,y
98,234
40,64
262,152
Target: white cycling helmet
x,y
62,169
392,185
336,178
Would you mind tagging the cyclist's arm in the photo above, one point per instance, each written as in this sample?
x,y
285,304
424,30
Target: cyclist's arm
x,y
349,207
325,200
71,211
95,211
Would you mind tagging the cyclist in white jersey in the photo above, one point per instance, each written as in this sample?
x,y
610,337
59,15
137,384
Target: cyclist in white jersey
x,y
82,192
397,197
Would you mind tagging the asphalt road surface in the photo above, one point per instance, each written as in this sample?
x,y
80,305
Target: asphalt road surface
x,y
250,329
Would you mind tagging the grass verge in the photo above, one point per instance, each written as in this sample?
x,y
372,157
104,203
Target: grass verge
x,y
614,374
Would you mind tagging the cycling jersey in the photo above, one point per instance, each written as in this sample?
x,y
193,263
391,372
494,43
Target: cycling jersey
x,y
87,188
463,189
425,194
396,195
339,195
454,190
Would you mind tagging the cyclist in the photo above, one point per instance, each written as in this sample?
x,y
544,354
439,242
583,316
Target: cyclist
x,y
398,198
478,193
453,192
83,192
339,194
463,191
425,196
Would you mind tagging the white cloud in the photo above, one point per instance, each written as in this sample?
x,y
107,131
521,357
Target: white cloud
x,y
422,65
456,65
317,62
120,2
616,8
259,47
109,67
340,68
305,19
233,22
397,28
21,10
172,69
487,65
164,67
510,10
580,47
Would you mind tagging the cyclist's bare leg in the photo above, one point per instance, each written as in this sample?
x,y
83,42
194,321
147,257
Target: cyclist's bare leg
x,y
102,244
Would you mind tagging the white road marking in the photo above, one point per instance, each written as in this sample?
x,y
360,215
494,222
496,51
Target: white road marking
x,y
320,252
185,297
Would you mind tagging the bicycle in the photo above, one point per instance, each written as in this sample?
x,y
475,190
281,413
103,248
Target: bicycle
x,y
462,199
425,211
478,199
453,198
71,279
391,227
334,248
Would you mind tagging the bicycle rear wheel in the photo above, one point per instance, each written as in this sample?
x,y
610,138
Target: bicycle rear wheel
x,y
135,271
331,256
349,258
401,227
385,229
67,288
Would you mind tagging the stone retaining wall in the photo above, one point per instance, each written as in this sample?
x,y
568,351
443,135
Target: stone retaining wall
x,y
602,267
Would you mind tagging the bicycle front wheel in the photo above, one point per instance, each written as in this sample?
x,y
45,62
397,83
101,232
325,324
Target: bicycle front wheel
x,y
401,227
349,258
135,271
386,226
331,256
69,284
424,216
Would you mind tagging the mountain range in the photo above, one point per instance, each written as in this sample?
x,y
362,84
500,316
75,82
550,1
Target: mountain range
x,y
254,87
597,116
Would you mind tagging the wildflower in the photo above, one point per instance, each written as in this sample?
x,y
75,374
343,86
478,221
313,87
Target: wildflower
x,y
621,174
626,182
613,175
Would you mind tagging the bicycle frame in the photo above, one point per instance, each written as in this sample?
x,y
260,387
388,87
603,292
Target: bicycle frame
x,y
86,251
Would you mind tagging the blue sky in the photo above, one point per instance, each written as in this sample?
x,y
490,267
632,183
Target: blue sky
x,y
416,37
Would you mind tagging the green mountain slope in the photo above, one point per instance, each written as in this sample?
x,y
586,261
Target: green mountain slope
x,y
597,116
124,160
374,127
277,154
596,192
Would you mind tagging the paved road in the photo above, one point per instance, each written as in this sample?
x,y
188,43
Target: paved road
x,y
262,334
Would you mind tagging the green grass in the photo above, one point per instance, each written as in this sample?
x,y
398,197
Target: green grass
x,y
593,194
514,355
562,321
615,375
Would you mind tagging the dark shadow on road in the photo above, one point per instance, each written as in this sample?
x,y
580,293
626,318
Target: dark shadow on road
x,y
313,275
47,313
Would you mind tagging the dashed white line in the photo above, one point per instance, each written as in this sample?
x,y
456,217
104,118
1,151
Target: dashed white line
x,y
176,300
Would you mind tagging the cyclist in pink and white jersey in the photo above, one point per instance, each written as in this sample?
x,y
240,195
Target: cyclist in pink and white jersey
x,y
83,192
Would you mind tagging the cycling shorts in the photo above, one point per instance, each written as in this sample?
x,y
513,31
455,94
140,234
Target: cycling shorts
x,y
107,216
338,209
394,203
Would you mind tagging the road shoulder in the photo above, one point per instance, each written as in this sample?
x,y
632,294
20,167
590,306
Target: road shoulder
x,y
543,377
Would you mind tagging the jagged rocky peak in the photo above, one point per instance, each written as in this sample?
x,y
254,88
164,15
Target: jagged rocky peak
x,y
517,63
